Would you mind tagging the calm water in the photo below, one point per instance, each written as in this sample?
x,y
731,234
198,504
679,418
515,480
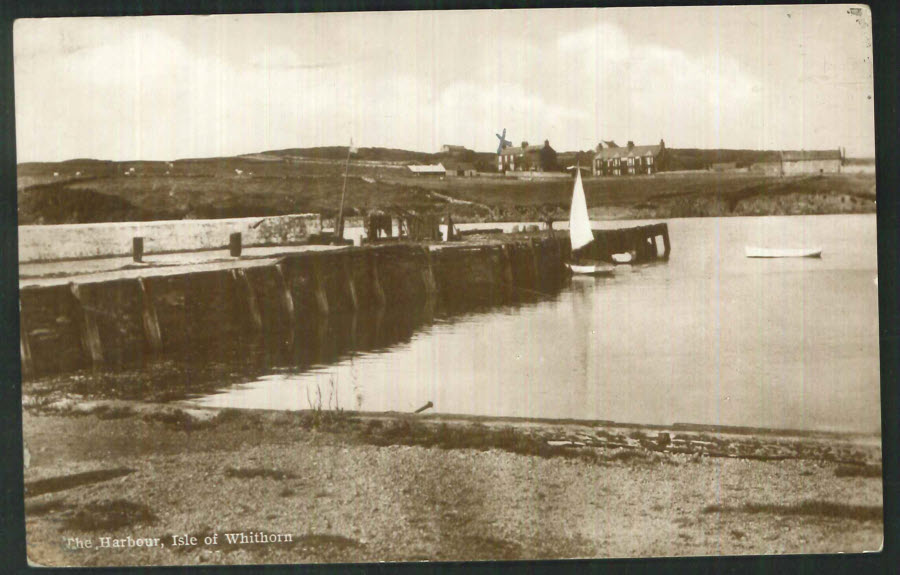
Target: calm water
x,y
708,337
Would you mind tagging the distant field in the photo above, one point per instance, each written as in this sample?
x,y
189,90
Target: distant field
x,y
277,183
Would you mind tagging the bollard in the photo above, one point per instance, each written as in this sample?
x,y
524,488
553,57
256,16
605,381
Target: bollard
x,y
234,244
137,249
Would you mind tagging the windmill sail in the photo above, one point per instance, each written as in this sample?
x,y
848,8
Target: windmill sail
x,y
579,223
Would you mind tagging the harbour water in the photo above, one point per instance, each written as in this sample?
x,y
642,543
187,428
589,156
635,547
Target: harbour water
x,y
709,337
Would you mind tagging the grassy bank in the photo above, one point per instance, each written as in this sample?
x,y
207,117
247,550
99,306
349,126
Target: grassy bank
x,y
88,191
349,487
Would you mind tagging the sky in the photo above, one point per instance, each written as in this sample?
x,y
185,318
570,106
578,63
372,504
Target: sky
x,y
168,87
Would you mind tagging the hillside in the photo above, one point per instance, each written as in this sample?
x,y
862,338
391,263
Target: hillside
x,y
311,180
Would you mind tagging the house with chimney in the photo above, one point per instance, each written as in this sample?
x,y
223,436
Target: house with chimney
x,y
527,158
630,160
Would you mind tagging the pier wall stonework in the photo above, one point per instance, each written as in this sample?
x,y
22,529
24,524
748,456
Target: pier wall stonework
x,y
279,307
66,328
79,241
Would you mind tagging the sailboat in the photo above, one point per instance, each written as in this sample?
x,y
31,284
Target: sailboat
x,y
581,235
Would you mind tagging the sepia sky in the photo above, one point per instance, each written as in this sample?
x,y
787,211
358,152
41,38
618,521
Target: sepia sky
x,y
160,88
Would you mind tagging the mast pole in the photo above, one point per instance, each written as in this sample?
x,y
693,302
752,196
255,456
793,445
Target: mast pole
x,y
339,226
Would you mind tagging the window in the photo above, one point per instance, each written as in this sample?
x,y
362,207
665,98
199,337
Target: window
x,y
630,161
649,160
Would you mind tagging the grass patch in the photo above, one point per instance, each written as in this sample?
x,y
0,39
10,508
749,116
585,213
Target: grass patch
x,y
113,412
865,470
54,484
812,508
472,436
254,472
177,418
110,515
33,509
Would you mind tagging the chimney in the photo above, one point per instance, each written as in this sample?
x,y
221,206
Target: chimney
x,y
662,144
524,144
546,143
599,146
630,145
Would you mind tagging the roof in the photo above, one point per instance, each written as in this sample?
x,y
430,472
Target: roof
x,y
518,150
608,153
806,155
428,169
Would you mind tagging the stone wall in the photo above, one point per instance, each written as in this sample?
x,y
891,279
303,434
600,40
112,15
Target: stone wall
x,y
134,321
75,241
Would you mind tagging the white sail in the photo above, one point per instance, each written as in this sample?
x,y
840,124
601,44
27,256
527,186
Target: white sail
x,y
579,222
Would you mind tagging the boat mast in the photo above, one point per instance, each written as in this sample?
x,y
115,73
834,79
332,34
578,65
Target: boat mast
x,y
339,225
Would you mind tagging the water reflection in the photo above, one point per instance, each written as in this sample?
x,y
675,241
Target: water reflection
x,y
709,337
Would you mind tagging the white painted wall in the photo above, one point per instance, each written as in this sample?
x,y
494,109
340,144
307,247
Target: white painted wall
x,y
71,241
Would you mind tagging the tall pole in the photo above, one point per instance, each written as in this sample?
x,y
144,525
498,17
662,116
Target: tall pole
x,y
339,226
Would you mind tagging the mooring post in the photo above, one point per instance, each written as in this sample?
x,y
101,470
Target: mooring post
x,y
152,333
351,285
90,335
25,346
321,296
243,286
234,244
428,273
137,249
377,289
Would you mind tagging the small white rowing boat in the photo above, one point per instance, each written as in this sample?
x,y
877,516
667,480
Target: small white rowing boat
x,y
783,252
623,258
598,269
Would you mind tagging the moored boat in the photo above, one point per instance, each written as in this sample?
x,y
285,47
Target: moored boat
x,y
581,234
595,269
754,252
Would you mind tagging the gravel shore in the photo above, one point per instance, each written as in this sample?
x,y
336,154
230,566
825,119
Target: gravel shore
x,y
338,487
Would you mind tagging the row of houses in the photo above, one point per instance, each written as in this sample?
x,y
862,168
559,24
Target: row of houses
x,y
611,159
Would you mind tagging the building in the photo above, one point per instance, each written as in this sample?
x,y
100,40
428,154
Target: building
x,y
454,150
811,162
527,158
428,170
465,169
629,160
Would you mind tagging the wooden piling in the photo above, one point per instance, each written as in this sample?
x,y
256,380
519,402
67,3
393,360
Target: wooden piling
x,y
152,333
428,274
90,335
506,271
287,302
351,285
287,299
245,291
377,289
25,346
535,264
321,296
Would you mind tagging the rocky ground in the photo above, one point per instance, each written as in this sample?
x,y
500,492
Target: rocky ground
x,y
362,488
